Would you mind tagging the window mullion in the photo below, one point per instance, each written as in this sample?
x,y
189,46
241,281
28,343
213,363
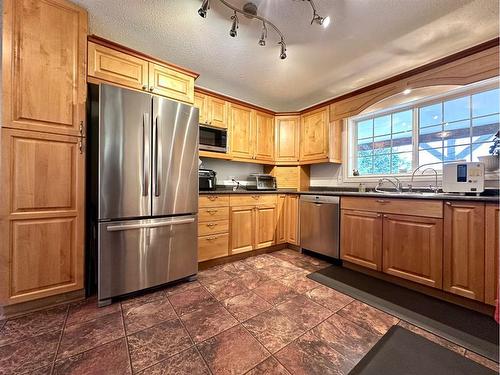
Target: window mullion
x,y
416,131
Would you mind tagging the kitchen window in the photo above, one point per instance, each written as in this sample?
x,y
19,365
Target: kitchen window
x,y
459,125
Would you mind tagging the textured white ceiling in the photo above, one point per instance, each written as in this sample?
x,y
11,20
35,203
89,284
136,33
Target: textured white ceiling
x,y
367,41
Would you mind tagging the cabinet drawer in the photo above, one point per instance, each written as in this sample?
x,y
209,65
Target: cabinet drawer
x,y
213,201
213,227
213,246
414,207
210,214
253,199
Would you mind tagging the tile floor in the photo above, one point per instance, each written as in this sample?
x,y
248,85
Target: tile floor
x,y
261,315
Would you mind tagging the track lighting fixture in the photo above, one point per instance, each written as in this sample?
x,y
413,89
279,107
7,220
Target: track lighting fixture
x,y
233,32
263,35
205,6
249,10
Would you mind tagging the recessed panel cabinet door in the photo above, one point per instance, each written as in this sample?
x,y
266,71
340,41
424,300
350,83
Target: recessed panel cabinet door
x,y
200,102
171,83
361,238
265,226
217,112
413,248
242,229
464,249
292,219
281,219
314,135
492,224
287,138
264,137
41,215
44,66
242,145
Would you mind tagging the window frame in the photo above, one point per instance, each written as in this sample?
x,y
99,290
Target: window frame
x,y
414,105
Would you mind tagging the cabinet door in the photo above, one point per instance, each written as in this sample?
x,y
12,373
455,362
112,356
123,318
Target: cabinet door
x,y
117,67
265,226
281,219
41,215
217,112
44,66
464,249
361,238
492,223
242,119
413,248
242,229
200,102
287,139
171,83
264,137
314,136
292,219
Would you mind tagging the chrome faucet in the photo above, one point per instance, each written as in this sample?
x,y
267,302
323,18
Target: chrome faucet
x,y
436,188
397,185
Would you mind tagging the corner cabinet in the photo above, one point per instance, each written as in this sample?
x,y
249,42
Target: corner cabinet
x,y
43,68
287,133
314,131
264,137
41,222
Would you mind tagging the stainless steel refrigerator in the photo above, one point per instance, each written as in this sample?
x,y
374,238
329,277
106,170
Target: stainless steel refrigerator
x,y
146,201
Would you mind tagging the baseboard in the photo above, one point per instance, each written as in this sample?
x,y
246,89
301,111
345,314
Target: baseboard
x,y
23,308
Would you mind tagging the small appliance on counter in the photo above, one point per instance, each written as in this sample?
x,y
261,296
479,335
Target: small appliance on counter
x,y
207,179
463,177
261,181
213,138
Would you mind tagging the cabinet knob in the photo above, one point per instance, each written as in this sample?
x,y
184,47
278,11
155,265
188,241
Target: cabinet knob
x,y
151,88
144,87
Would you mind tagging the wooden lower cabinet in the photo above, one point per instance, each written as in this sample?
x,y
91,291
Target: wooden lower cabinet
x,y
464,249
361,238
41,215
212,246
242,225
265,226
412,248
491,245
213,227
281,218
292,219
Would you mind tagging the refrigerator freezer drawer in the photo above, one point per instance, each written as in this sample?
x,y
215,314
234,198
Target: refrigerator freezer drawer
x,y
139,254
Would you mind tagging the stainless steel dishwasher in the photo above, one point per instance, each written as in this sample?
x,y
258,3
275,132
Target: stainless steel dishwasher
x,y
319,224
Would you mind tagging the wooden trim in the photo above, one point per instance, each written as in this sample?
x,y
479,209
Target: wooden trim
x,y
421,69
121,48
214,94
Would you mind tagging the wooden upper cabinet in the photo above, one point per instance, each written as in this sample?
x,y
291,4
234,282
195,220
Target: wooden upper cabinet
x,y
491,245
41,212
265,226
287,139
413,248
242,145
361,238
44,66
464,249
171,83
200,102
117,67
217,112
314,130
264,137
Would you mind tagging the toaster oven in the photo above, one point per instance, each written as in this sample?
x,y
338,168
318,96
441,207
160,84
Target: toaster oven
x,y
259,181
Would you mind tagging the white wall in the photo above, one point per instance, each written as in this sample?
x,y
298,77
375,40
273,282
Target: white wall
x,y
226,170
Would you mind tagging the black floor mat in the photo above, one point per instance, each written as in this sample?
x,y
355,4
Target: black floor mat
x,y
403,352
470,329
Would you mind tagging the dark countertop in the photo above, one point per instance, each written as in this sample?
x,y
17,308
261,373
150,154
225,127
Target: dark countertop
x,y
350,193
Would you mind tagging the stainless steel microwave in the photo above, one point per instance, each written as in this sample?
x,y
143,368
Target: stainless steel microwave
x,y
213,138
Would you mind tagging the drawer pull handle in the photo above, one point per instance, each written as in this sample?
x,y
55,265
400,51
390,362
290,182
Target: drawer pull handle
x,y
211,212
256,196
211,225
212,198
382,201
211,238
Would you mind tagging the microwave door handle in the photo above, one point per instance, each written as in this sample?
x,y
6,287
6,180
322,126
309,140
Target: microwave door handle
x,y
157,174
145,155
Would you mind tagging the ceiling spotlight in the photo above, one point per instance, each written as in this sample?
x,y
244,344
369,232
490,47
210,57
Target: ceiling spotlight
x,y
324,21
283,49
263,35
205,6
233,32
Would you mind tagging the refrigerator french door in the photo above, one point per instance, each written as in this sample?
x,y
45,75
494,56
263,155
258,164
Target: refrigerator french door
x,y
148,191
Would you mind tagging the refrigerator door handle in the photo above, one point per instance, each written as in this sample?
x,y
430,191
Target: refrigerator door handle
x,y
145,155
157,175
115,228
